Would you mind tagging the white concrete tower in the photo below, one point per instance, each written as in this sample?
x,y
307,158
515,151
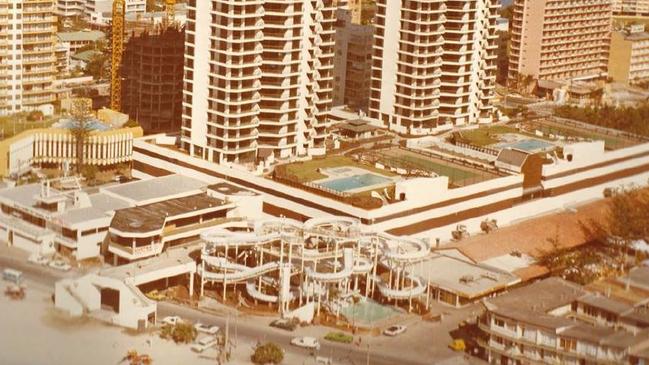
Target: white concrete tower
x,y
257,76
433,63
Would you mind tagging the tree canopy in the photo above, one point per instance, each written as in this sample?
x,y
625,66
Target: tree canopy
x,y
633,120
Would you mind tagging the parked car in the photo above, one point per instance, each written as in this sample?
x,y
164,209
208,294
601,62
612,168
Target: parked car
x,y
306,342
204,328
59,265
204,343
395,330
323,360
38,259
13,276
285,324
171,320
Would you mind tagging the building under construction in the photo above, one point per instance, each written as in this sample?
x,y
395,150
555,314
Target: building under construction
x,y
152,79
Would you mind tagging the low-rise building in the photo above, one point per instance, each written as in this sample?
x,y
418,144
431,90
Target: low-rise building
x,y
80,39
56,147
41,219
629,60
555,321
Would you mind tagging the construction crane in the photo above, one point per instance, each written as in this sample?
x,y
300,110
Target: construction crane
x,y
117,50
170,9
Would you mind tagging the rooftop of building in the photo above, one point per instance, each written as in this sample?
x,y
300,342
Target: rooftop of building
x,y
226,188
157,189
80,36
357,126
637,277
512,156
85,56
160,266
152,217
459,275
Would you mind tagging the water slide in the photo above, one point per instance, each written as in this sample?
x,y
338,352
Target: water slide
x,y
392,247
418,289
328,277
236,272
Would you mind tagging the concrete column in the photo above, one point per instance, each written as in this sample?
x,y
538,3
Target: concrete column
x,y
191,284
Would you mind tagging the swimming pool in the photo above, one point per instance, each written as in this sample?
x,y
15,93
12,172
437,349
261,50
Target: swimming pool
x,y
368,312
354,182
92,125
529,145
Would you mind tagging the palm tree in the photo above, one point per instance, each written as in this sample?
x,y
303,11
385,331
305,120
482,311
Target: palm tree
x,y
80,129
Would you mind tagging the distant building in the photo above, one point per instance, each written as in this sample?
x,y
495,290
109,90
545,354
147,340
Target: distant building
x,y
434,64
152,73
555,321
559,40
78,40
629,60
631,7
27,55
352,62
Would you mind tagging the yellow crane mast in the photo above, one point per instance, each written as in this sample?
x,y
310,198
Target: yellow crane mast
x,y
117,46
170,9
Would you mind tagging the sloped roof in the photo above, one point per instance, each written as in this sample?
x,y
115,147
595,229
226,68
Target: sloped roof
x,y
512,156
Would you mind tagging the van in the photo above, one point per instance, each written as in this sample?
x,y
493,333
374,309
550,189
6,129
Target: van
x,y
12,275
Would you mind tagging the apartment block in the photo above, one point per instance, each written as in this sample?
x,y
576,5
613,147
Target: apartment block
x,y
554,321
353,62
258,77
106,6
152,74
67,9
434,64
559,40
27,59
631,7
629,60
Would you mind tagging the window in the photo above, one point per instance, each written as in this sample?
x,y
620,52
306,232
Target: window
x,y
499,322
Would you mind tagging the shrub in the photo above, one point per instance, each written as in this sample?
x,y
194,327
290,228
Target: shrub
x,y
180,333
268,353
339,337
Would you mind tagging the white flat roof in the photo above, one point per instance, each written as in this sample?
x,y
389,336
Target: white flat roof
x,y
156,189
509,262
447,272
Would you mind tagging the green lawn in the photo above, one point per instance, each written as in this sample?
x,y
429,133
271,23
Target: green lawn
x,y
611,142
485,136
308,170
409,160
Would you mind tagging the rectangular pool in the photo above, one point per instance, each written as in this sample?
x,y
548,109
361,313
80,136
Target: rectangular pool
x,y
529,145
354,182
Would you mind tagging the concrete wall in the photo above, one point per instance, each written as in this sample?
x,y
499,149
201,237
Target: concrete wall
x,y
619,60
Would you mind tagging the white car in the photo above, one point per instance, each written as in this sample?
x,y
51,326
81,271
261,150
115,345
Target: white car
x,y
59,265
394,330
38,259
204,328
306,342
204,343
171,320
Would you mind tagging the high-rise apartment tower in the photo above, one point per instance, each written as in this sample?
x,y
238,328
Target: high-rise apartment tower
x,y
434,63
258,76
27,59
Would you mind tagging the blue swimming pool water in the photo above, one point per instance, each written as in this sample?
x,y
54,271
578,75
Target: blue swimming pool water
x,y
354,182
530,145
93,125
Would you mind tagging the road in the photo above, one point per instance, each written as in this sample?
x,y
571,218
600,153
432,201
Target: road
x,y
245,332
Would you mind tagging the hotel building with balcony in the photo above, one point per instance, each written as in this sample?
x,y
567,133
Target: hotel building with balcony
x,y
258,76
433,64
559,40
27,59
